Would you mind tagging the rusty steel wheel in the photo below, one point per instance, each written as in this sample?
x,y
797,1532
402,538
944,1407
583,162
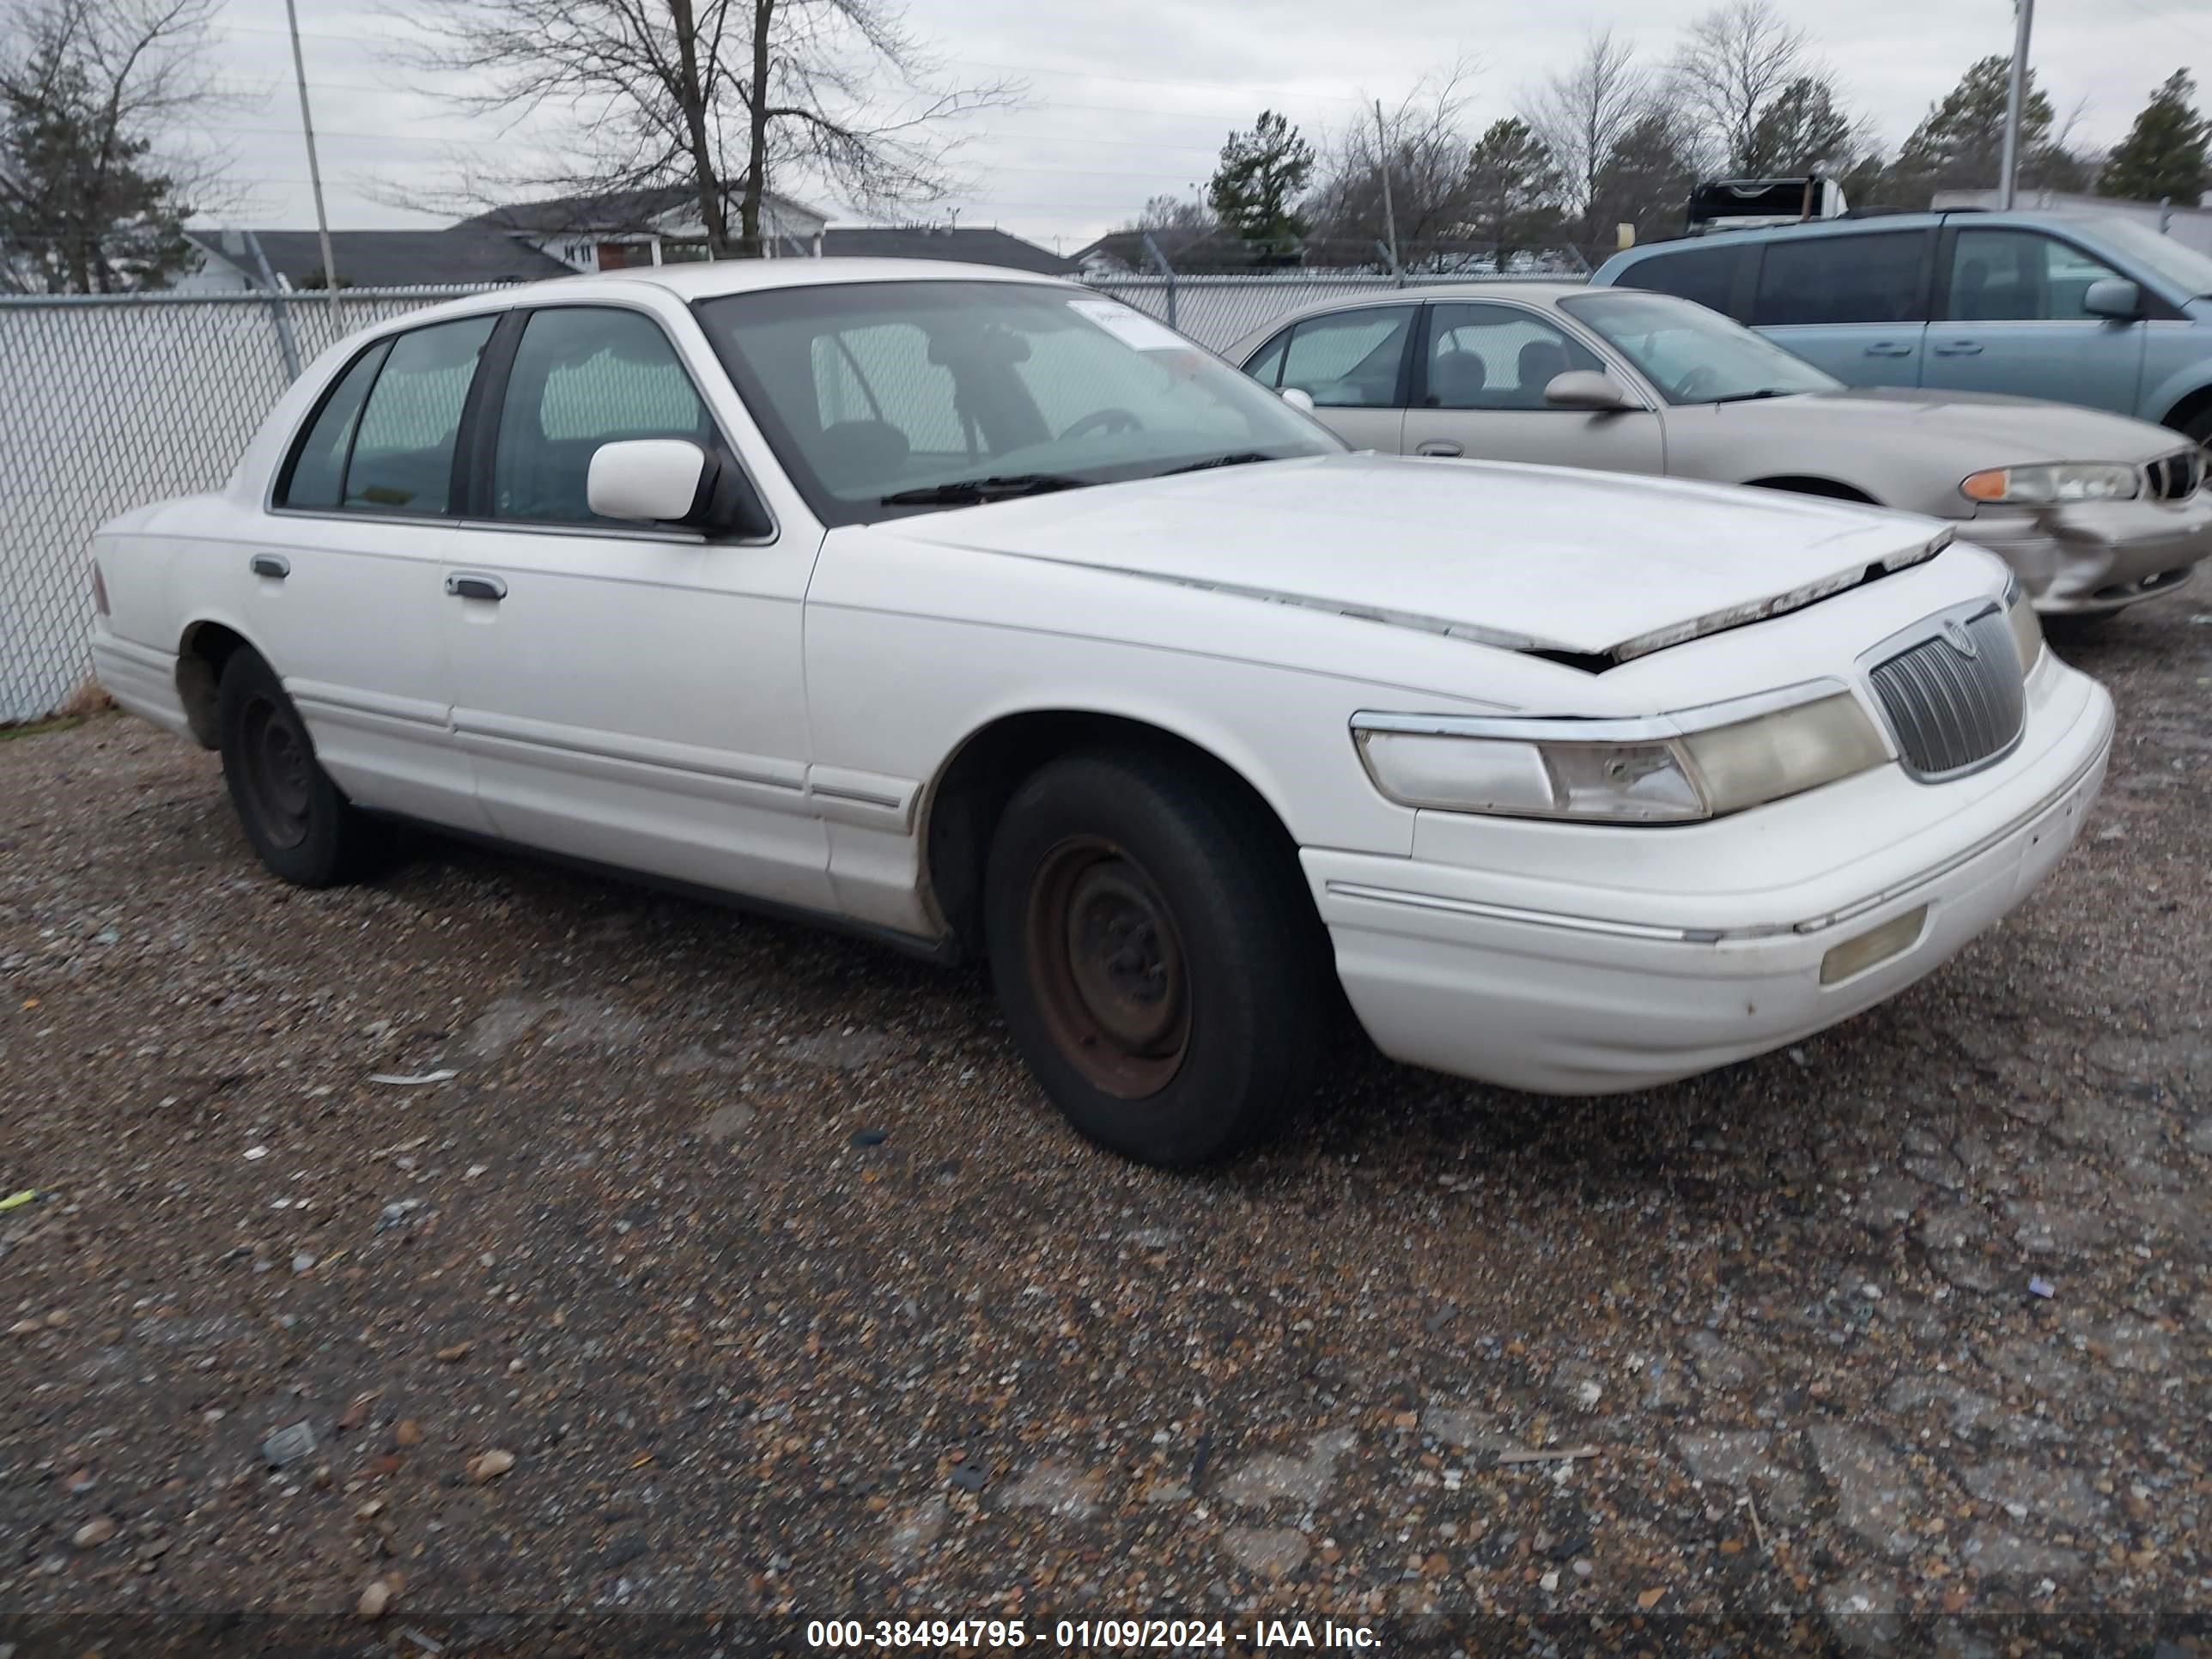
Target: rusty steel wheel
x,y
1108,967
1156,951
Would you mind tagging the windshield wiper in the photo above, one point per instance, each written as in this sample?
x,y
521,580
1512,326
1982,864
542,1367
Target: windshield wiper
x,y
1241,458
1750,396
968,492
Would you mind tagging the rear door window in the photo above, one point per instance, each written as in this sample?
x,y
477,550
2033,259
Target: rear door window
x,y
1874,278
403,453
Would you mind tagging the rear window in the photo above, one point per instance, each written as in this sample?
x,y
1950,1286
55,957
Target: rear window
x,y
1705,275
1876,278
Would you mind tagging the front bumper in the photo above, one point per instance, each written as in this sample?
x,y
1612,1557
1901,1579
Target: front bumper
x,y
1452,967
2096,556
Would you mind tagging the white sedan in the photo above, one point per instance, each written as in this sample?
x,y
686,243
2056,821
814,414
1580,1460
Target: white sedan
x,y
981,614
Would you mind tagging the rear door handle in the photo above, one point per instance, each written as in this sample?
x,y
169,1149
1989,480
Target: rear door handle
x,y
463,585
273,565
1888,349
1438,446
1960,349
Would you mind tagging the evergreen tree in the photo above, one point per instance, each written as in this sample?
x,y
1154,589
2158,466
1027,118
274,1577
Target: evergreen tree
x,y
2163,154
1254,190
1513,188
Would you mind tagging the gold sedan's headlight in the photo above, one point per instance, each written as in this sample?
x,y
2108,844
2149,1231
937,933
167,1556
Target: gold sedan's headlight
x,y
1676,768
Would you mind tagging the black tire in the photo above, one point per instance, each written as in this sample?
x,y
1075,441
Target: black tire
x,y
2197,428
293,815
1157,955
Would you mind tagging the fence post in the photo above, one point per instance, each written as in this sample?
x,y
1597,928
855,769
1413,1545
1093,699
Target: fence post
x,y
282,317
1160,262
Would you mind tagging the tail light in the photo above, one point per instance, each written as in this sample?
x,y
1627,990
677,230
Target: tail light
x,y
98,590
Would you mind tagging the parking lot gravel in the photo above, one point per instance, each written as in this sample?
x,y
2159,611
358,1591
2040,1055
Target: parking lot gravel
x,y
495,1254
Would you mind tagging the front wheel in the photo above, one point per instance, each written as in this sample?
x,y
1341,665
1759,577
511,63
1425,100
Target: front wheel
x,y
1156,953
300,826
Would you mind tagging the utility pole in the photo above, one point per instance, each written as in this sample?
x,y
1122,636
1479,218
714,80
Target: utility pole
x,y
2015,95
1382,160
314,168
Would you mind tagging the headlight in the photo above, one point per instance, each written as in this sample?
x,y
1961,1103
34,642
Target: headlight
x,y
1677,768
2027,628
2053,486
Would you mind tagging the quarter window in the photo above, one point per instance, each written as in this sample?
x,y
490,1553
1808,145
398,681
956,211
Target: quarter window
x,y
1266,367
1706,276
1350,359
1487,357
2019,276
1874,278
584,376
403,453
316,480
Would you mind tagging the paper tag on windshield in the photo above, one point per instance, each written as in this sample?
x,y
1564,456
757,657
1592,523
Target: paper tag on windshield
x,y
1132,328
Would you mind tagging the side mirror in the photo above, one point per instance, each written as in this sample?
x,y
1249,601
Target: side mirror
x,y
1298,399
2115,298
653,479
673,481
1587,389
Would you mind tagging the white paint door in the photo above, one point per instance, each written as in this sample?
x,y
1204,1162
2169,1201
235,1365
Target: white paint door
x,y
630,697
342,587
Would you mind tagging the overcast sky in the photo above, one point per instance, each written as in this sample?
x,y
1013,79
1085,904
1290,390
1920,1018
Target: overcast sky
x,y
1132,98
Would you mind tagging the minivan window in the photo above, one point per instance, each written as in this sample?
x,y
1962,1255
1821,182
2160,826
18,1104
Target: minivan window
x,y
403,455
1705,275
583,376
1870,278
2019,276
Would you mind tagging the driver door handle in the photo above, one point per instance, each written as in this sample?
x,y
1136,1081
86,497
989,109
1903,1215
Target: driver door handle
x,y
463,585
1439,446
1888,349
1960,349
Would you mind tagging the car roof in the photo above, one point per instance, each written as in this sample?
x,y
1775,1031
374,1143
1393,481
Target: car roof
x,y
1860,224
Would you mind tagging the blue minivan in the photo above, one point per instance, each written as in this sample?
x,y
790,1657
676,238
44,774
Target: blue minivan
x,y
2094,310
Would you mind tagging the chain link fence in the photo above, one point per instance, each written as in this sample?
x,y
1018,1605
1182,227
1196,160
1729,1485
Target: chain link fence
x,y
118,400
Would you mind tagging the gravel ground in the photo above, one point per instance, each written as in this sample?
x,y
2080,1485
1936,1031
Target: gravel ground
x,y
740,1272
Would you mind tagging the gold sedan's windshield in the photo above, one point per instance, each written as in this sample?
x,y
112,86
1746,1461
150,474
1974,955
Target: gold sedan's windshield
x,y
899,396
1694,356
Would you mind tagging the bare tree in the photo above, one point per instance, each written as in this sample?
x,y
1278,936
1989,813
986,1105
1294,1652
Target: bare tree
x,y
1425,138
1583,112
99,102
1736,64
720,97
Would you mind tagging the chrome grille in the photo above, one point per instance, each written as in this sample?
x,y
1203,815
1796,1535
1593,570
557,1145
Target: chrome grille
x,y
1953,709
2177,477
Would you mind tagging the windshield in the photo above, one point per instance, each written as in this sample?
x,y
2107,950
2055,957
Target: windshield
x,y
1694,356
2162,256
882,399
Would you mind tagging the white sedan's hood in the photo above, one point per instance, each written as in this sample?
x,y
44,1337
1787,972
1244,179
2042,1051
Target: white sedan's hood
x,y
1533,557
